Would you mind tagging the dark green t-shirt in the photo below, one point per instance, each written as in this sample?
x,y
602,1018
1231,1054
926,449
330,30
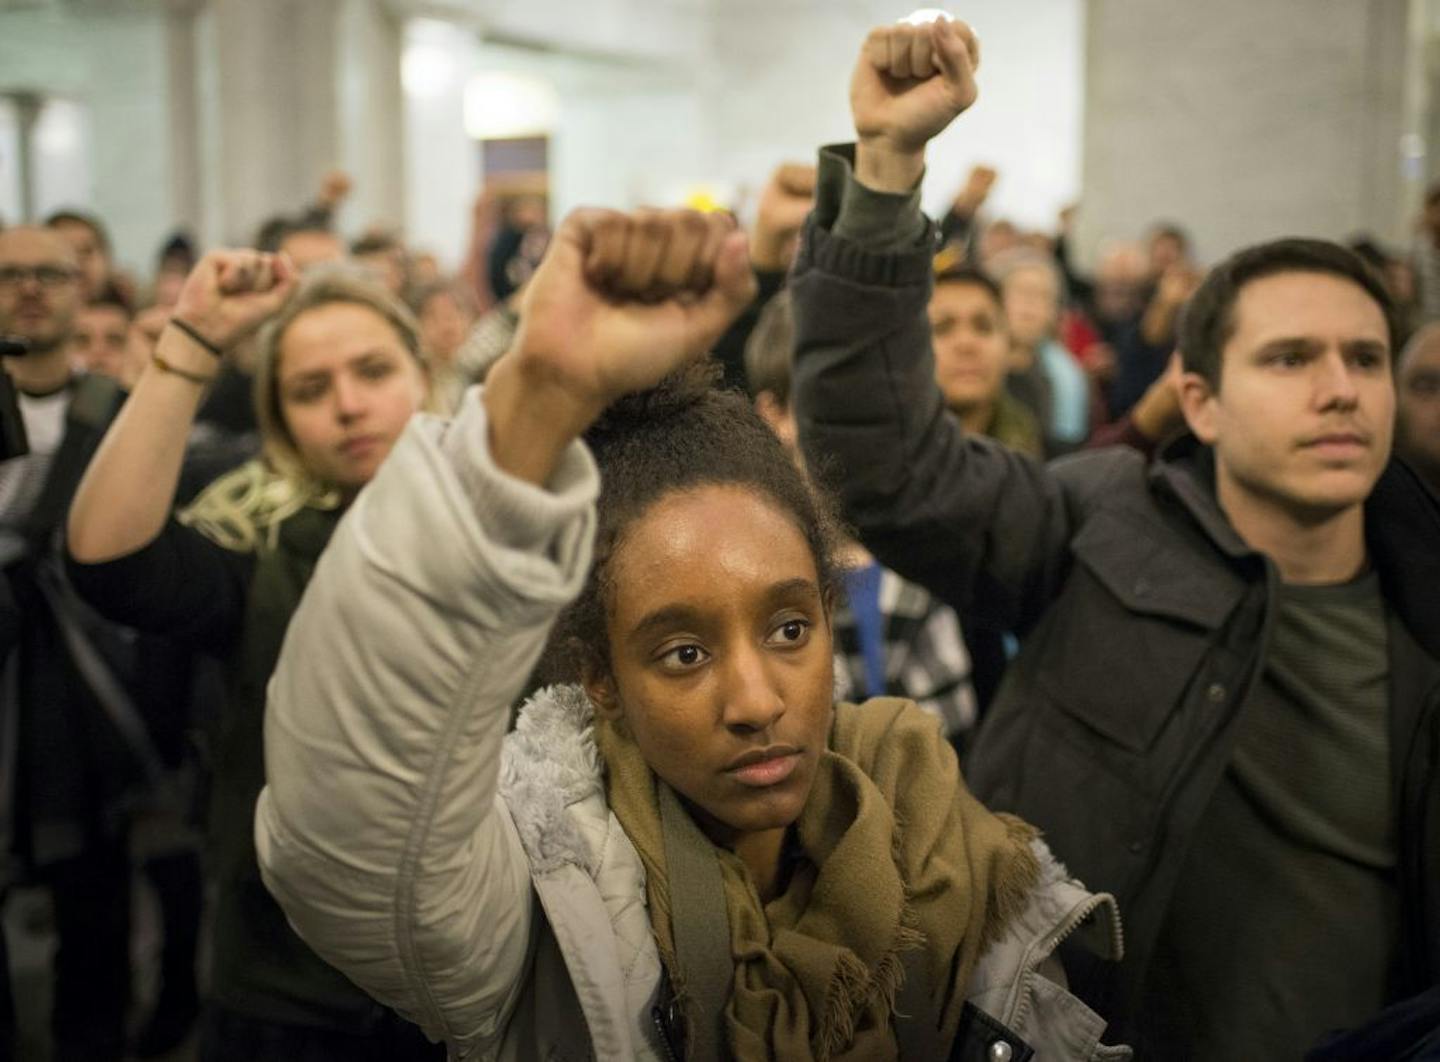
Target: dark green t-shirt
x,y
1285,921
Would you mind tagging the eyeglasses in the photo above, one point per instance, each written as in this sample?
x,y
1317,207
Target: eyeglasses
x,y
47,276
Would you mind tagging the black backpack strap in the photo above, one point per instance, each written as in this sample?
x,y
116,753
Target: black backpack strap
x,y
93,405
109,692
700,923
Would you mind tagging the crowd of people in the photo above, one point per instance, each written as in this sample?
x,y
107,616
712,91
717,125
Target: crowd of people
x,y
859,637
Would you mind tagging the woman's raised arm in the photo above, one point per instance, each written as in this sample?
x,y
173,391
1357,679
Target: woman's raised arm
x,y
129,488
381,831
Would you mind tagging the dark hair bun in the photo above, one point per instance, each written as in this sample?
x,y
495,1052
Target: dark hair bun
x,y
680,435
630,415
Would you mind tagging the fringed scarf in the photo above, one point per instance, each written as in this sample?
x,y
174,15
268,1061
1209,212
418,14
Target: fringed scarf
x,y
896,857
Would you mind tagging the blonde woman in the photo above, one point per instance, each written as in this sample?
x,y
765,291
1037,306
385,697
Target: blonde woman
x,y
339,374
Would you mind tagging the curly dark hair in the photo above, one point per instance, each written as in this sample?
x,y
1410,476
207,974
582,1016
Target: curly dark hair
x,y
683,434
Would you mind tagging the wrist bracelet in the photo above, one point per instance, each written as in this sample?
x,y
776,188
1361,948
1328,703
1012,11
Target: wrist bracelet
x,y
194,333
184,374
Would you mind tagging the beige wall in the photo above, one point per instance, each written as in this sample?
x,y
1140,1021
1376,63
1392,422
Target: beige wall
x,y
113,63
1245,119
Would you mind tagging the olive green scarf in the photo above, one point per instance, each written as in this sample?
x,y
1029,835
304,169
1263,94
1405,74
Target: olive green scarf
x,y
897,857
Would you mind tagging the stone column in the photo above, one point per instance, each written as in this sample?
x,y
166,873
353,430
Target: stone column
x,y
1245,119
184,112
296,90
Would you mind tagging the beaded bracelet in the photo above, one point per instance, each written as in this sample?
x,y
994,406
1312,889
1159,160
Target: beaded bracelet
x,y
184,374
194,333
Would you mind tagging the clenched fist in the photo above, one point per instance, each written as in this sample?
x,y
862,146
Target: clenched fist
x,y
229,294
619,302
971,198
786,200
910,82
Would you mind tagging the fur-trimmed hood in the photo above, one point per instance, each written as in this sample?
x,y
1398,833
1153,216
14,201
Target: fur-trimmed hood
x,y
553,781
550,762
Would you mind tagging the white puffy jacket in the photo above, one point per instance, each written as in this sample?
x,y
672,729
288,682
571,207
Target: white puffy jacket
x,y
491,896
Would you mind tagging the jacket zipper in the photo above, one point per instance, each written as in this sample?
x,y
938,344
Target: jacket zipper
x,y
663,1034
1067,928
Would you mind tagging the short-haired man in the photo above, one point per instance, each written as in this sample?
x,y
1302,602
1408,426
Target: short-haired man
x,y
1418,383
65,774
88,237
40,296
1226,705
970,335
101,340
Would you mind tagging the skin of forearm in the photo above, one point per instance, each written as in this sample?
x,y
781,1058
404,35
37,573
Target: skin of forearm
x,y
1157,412
127,492
767,252
882,167
531,421
1147,420
1159,319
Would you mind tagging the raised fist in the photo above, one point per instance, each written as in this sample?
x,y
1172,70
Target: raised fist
x,y
911,81
334,188
786,200
1177,284
621,300
971,198
230,294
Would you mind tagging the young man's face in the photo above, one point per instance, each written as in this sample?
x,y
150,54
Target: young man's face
x,y
100,339
39,286
1303,417
93,259
971,342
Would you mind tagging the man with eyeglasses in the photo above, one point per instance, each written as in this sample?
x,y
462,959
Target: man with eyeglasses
x,y
65,771
39,298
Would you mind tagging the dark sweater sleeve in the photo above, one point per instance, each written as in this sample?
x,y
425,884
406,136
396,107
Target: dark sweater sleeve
x,y
1080,290
982,528
316,215
960,231
181,585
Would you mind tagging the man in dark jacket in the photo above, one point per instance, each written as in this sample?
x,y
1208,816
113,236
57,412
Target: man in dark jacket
x,y
1226,708
67,775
